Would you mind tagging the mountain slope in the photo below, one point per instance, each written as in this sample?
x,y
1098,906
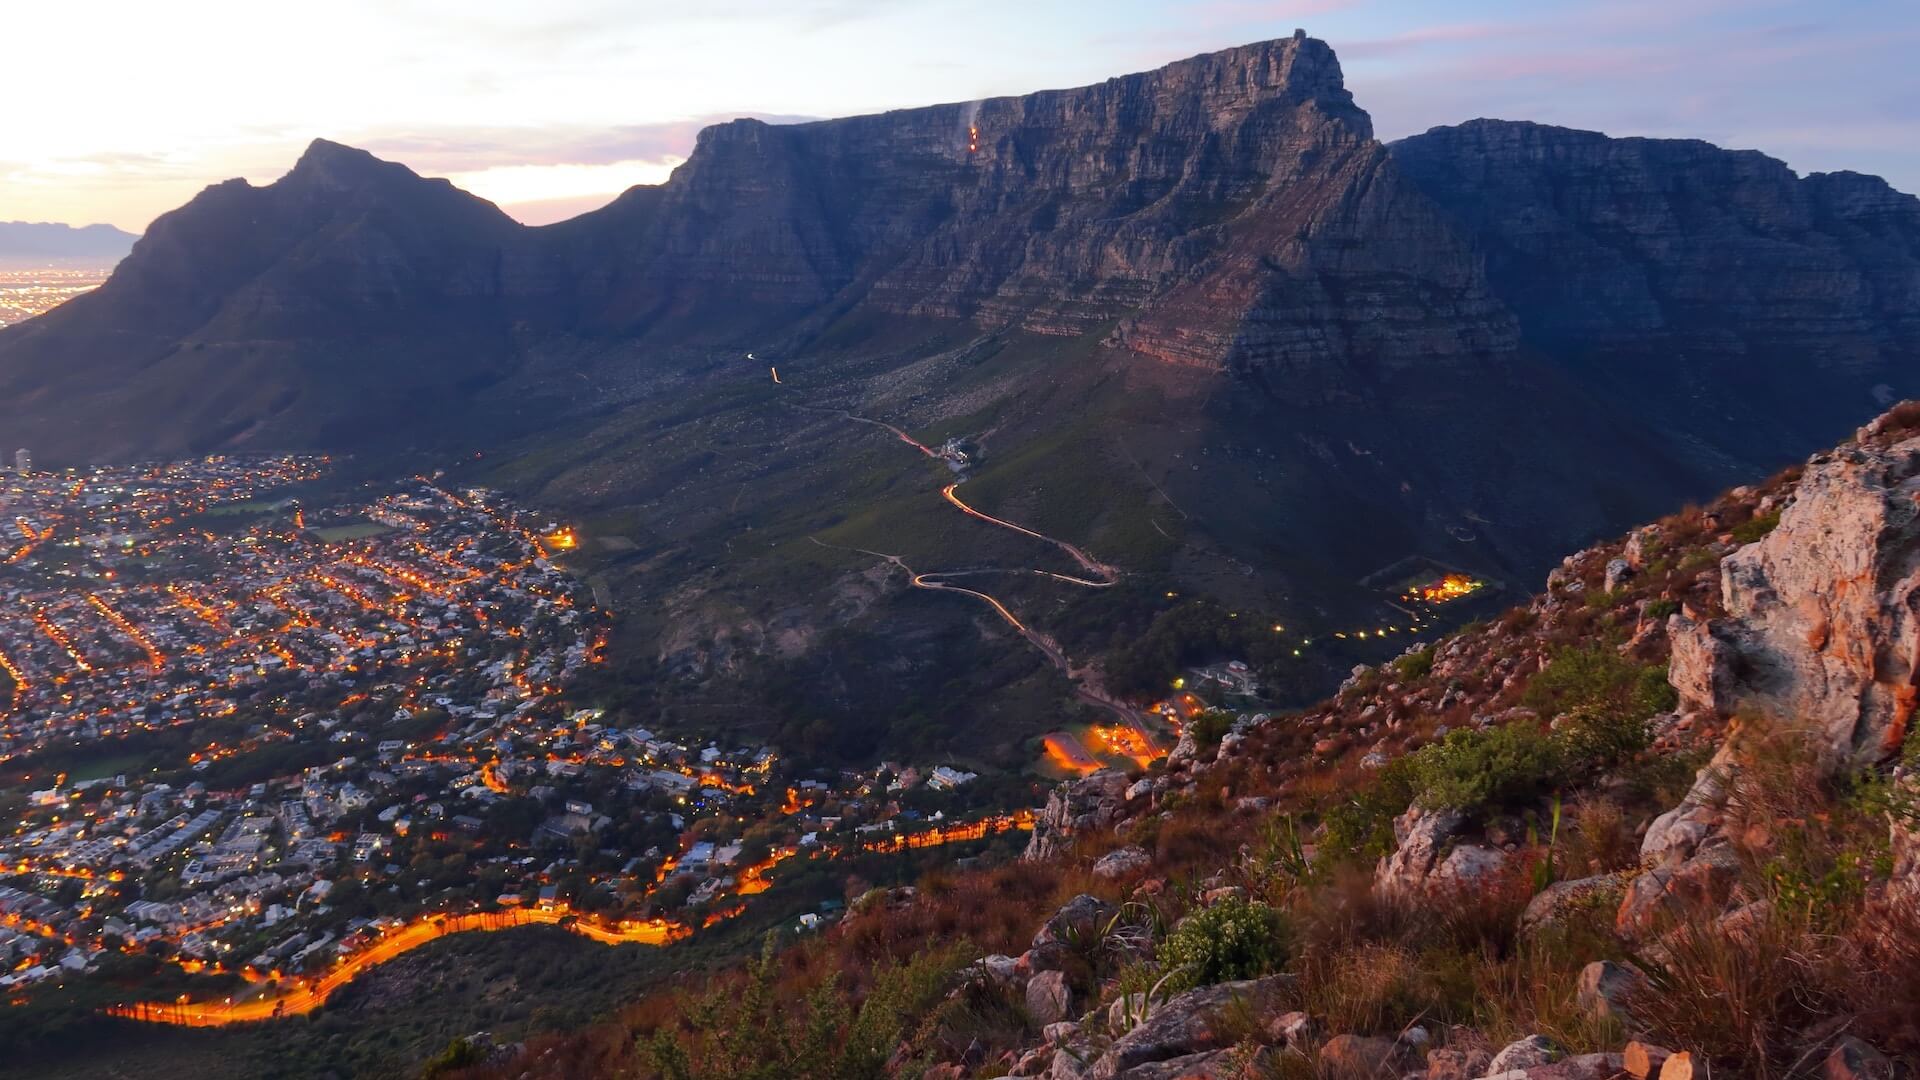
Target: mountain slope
x,y
1666,805
1197,321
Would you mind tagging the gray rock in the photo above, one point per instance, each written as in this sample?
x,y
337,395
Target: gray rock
x,y
1420,837
1121,862
1188,1024
1295,1030
1618,571
1089,803
1821,627
1582,1067
1605,990
1081,916
1060,1032
1524,1054
1579,898
1049,998
1363,1057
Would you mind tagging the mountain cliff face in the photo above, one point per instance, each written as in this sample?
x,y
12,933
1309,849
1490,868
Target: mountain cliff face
x,y
1204,299
1230,212
1755,295
1220,206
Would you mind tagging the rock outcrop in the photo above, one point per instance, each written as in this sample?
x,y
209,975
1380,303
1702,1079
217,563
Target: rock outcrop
x,y
1092,802
1823,627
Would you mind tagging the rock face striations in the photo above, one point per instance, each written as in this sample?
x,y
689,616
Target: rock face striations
x,y
1231,212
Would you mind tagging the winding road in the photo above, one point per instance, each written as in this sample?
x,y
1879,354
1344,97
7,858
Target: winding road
x,y
1102,576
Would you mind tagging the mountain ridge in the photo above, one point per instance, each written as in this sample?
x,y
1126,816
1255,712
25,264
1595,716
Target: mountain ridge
x,y
1205,287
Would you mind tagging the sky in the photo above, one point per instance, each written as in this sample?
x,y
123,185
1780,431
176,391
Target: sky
x,y
117,110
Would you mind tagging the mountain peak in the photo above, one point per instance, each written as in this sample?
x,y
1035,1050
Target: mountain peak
x,y
337,165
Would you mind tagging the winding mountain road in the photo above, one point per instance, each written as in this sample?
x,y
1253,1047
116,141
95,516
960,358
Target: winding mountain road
x,y
1103,576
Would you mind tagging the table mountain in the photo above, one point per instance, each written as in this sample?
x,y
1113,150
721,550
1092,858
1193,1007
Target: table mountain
x,y
1205,299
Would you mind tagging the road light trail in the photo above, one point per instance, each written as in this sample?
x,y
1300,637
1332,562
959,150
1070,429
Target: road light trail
x,y
1087,562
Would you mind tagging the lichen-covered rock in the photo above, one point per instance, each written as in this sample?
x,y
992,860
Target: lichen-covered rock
x,y
1426,858
1090,802
1525,1054
1121,862
1822,629
1078,917
1575,899
1187,1024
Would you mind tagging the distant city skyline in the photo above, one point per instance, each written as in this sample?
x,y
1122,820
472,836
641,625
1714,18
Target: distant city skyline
x,y
550,110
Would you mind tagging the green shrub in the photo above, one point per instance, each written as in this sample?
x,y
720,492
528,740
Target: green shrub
x,y
1361,826
1415,665
1473,771
1756,527
1210,727
1597,675
1598,737
1661,608
1233,939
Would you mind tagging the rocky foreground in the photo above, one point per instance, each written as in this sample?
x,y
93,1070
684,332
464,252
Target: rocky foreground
x,y
1658,822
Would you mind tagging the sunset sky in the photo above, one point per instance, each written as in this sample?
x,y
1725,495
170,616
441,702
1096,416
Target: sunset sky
x,y
118,110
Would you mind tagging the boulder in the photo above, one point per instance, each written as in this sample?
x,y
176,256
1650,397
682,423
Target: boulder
x,y
1661,895
1121,862
1295,1030
1575,899
1215,1065
1079,917
1606,989
999,968
1060,1032
1071,1063
1524,1054
1187,1024
1450,1063
1822,629
1618,571
1092,802
1420,841
1036,1062
1049,998
1363,1057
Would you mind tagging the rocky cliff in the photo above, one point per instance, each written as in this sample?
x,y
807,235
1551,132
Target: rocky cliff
x,y
1721,274
1231,212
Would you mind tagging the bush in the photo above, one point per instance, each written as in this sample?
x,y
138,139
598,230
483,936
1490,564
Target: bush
x,y
1233,939
1414,665
1598,675
1480,770
1661,608
1756,527
1595,737
1362,826
1210,727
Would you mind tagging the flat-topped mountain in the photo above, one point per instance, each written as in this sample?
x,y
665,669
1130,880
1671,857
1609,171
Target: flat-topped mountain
x,y
1205,299
1231,211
